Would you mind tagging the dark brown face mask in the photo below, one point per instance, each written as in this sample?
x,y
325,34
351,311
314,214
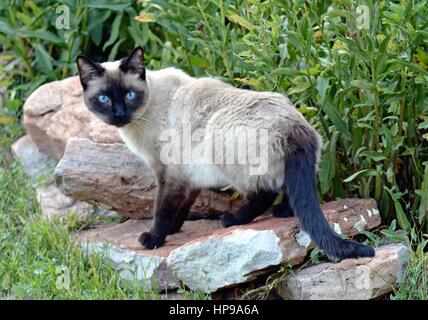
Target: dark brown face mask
x,y
114,95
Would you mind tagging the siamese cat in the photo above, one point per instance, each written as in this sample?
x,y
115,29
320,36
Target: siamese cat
x,y
145,104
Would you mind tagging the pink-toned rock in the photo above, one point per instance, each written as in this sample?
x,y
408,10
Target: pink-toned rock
x,y
35,163
119,244
113,176
39,167
55,112
207,257
54,204
351,279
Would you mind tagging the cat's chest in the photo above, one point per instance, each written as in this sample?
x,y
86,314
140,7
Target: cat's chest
x,y
140,145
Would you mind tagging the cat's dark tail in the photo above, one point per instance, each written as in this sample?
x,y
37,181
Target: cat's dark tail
x,y
300,186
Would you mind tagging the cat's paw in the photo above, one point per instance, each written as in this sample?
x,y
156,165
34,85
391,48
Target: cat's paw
x,y
228,220
281,213
150,241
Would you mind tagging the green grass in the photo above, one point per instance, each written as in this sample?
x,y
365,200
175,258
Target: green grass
x,y
37,256
415,282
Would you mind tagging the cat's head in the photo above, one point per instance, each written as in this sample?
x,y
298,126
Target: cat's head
x,y
116,91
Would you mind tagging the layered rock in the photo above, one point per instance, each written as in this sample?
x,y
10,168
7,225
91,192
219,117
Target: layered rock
x,y
119,244
113,176
40,167
351,279
36,164
55,112
207,257
54,203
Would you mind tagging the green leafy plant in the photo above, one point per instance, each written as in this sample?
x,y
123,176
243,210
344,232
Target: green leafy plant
x,y
363,89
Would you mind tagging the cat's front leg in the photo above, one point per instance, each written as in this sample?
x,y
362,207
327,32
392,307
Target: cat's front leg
x,y
170,197
184,210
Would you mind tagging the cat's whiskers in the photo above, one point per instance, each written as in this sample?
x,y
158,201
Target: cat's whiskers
x,y
137,124
138,119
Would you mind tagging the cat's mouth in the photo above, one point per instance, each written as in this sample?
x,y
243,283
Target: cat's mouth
x,y
119,122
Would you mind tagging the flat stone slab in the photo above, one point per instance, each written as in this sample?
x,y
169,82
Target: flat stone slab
x,y
119,244
351,279
207,257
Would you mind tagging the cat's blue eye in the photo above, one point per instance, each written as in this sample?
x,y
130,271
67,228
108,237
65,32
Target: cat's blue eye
x,y
103,99
131,95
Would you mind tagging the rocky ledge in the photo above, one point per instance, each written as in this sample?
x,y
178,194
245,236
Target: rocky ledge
x,y
351,279
207,257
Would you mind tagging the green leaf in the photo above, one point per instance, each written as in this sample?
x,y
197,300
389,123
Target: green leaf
x,y
360,174
409,65
300,86
354,49
327,169
394,236
336,118
24,18
40,34
114,50
296,40
402,220
363,84
43,58
96,24
102,4
382,56
423,207
288,72
240,20
5,28
322,85
198,61
376,156
97,34
114,31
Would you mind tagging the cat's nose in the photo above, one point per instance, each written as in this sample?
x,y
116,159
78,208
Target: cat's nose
x,y
119,112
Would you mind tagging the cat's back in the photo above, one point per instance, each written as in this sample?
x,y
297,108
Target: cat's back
x,y
164,83
206,100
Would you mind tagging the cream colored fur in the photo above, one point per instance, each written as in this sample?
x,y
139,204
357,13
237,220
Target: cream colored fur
x,y
174,98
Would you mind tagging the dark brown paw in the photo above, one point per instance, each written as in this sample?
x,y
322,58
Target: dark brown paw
x,y
149,241
228,220
280,213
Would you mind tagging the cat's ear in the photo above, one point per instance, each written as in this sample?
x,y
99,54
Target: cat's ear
x,y
88,70
134,63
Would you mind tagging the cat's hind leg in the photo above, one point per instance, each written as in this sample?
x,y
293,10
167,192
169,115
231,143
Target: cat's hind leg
x,y
283,209
257,204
